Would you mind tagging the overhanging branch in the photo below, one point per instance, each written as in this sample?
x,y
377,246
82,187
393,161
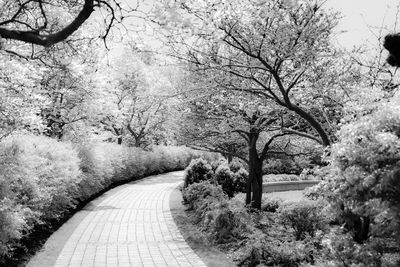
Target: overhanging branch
x,y
35,37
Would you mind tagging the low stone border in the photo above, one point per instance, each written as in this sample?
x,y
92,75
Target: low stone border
x,y
288,186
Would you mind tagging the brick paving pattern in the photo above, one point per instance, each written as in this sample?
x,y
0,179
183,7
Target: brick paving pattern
x,y
131,226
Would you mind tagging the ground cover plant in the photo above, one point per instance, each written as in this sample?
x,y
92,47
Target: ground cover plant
x,y
43,180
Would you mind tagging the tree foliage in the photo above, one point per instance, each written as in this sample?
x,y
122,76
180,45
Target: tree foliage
x,y
277,50
362,181
132,100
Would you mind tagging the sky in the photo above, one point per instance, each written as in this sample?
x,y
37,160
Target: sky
x,y
360,17
359,25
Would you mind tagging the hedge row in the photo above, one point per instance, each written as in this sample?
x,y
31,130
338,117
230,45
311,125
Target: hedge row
x,y
42,180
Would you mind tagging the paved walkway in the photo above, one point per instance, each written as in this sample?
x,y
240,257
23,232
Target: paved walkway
x,y
130,225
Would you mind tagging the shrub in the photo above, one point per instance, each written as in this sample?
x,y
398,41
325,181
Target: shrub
x,y
310,174
225,177
361,182
38,182
289,253
223,218
280,177
291,165
228,219
12,226
266,251
197,171
304,217
195,193
231,182
216,163
42,172
235,166
240,180
270,204
341,250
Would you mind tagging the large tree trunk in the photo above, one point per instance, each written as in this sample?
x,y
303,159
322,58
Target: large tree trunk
x,y
248,186
229,158
254,182
138,141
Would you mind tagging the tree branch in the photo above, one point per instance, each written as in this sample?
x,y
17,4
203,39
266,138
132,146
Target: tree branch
x,y
34,37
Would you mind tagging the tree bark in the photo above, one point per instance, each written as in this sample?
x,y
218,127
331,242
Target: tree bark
x,y
230,158
254,182
362,229
248,186
138,141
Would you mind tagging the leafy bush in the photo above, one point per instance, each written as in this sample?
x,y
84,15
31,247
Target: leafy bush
x,y
197,171
339,249
361,181
38,181
269,250
216,163
235,166
12,226
270,204
310,174
228,219
195,193
232,178
288,165
225,177
280,177
240,180
223,218
304,217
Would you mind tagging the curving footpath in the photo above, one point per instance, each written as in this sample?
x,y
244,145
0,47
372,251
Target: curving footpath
x,y
130,225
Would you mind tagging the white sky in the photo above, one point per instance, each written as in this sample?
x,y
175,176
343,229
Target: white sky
x,y
358,15
361,20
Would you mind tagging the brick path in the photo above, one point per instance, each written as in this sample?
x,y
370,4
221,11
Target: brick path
x,y
131,226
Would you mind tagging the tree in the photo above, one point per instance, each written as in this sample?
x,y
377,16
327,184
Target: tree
x,y
249,128
278,50
43,22
19,96
132,102
67,92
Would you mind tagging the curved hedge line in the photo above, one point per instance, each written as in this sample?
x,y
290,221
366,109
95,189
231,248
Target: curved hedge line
x,y
42,180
